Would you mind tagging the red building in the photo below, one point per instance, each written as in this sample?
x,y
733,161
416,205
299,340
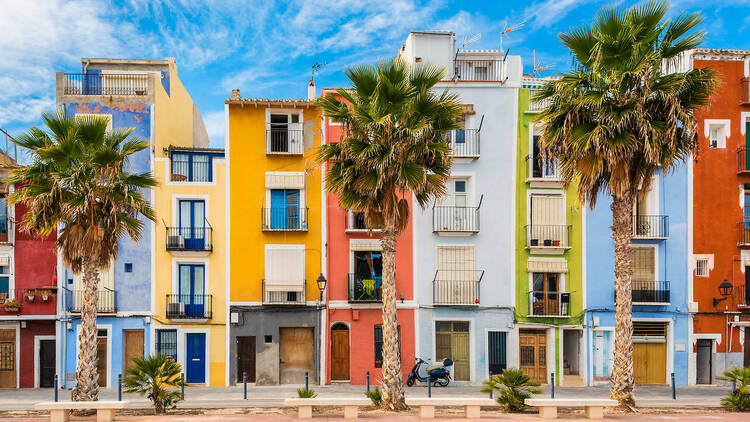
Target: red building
x,y
353,315
721,219
28,298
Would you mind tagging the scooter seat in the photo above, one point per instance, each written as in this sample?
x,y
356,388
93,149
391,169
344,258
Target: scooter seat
x,y
433,367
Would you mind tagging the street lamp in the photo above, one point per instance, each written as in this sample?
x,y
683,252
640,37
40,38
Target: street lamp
x,y
725,290
321,285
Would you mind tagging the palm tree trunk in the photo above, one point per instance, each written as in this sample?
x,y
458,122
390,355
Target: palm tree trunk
x,y
621,384
393,383
86,388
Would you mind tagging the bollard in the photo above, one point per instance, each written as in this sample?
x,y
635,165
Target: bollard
x,y
368,381
734,387
307,381
244,385
56,386
429,385
119,387
182,385
552,384
674,391
490,381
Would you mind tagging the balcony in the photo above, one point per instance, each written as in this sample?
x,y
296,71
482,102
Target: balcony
x,y
549,304
36,295
104,84
743,160
189,306
456,220
190,239
744,232
105,303
536,106
365,288
545,170
287,219
355,223
282,141
284,292
646,292
190,171
548,236
456,287
468,70
464,143
650,227
743,295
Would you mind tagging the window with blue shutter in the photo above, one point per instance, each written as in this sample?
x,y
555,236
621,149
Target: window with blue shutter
x,y
285,209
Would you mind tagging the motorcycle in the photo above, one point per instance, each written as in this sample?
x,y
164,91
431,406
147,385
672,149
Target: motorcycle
x,y
437,374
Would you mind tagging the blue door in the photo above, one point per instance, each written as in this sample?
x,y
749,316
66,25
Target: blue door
x,y
285,209
192,224
192,289
196,357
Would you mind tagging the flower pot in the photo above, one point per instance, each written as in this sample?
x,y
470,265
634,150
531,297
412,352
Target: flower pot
x,y
45,298
548,242
534,242
30,298
12,308
555,243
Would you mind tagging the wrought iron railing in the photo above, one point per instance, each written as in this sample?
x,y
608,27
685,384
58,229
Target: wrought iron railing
x,y
365,288
456,287
743,294
28,295
455,219
647,291
464,142
744,231
191,171
536,105
650,226
190,239
105,302
189,306
546,168
105,84
743,160
273,295
287,219
478,70
547,236
284,141
546,303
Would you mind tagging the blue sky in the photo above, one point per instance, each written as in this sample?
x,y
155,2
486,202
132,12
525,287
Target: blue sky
x,y
266,48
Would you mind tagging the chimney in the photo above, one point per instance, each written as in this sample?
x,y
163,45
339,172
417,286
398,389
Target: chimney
x,y
236,95
311,91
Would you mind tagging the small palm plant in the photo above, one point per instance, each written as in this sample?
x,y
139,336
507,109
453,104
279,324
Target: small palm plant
x,y
157,377
305,393
739,399
513,387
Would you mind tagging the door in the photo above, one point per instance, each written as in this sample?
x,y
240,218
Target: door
x,y
747,147
195,349
533,353
746,357
246,358
452,341
704,364
545,297
46,363
8,360
650,363
340,352
496,355
285,209
3,220
368,275
101,358
193,224
192,289
602,355
296,355
134,343
285,134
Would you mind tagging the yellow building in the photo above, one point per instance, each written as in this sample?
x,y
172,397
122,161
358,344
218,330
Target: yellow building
x,y
275,216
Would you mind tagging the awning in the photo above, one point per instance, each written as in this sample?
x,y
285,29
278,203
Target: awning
x,y
547,266
285,180
4,260
467,108
365,245
284,285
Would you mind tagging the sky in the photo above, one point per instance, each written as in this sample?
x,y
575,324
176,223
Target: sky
x,y
266,48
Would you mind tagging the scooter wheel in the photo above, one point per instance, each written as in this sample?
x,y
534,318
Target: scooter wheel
x,y
443,382
410,382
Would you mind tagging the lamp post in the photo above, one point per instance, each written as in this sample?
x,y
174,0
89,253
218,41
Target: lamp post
x,y
321,285
725,290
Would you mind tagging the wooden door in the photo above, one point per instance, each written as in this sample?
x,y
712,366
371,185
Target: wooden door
x,y
452,341
296,355
8,360
650,363
46,363
340,352
460,353
101,361
246,358
533,354
134,342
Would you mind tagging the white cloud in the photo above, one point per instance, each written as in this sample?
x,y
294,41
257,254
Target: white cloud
x,y
546,13
214,121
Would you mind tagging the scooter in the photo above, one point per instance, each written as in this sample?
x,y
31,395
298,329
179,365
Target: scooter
x,y
438,374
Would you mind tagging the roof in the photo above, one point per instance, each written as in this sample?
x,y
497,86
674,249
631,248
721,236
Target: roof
x,y
268,102
432,32
7,162
93,60
720,54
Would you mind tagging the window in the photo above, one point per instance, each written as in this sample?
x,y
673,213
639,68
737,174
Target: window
x,y
541,166
379,344
7,356
644,265
701,268
496,348
191,290
191,167
4,279
546,298
284,274
166,343
285,209
192,224
3,219
717,131
128,267
455,263
713,138
547,221
284,134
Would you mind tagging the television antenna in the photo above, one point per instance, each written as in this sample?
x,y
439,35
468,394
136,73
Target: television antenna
x,y
474,38
316,68
539,66
507,30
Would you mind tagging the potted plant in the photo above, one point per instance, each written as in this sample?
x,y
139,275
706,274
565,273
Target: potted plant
x,y
547,242
30,294
555,243
12,305
44,293
534,242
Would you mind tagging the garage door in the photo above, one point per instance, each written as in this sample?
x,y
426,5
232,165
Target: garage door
x,y
650,352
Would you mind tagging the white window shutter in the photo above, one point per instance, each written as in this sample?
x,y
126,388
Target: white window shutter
x,y
285,269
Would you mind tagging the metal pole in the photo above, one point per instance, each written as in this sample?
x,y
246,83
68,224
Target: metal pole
x,y
490,384
182,385
552,384
244,385
307,381
674,392
368,381
56,387
429,385
734,386
119,387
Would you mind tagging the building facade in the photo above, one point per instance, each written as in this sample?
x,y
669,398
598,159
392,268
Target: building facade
x,y
276,248
463,270
550,295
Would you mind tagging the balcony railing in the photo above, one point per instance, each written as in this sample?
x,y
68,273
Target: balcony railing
x,y
743,295
29,295
650,292
650,226
546,303
464,142
105,302
456,219
287,219
478,70
273,294
6,228
365,288
104,84
743,160
536,106
190,239
355,222
284,141
456,287
189,306
744,231
547,236
546,169
190,171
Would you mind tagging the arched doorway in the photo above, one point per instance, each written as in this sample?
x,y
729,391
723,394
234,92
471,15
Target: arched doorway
x,y
339,352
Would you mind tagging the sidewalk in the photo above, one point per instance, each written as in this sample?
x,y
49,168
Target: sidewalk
x,y
273,396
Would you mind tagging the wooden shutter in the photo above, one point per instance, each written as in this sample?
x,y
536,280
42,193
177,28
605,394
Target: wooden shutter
x,y
456,262
547,210
644,266
285,269
106,278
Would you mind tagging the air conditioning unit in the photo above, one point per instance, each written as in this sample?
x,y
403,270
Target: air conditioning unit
x,y
175,309
176,242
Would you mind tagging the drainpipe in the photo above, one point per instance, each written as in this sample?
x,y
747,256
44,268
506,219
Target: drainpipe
x,y
726,339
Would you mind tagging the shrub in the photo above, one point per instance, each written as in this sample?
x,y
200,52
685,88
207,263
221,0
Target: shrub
x,y
153,377
739,399
375,395
306,394
511,387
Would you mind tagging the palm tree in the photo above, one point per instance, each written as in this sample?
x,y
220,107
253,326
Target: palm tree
x,y
78,183
393,146
157,377
625,110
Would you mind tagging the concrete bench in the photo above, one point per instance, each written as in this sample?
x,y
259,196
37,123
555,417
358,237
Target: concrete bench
x,y
593,408
60,411
471,405
350,405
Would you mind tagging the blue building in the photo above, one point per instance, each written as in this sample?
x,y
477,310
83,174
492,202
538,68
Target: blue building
x,y
661,292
